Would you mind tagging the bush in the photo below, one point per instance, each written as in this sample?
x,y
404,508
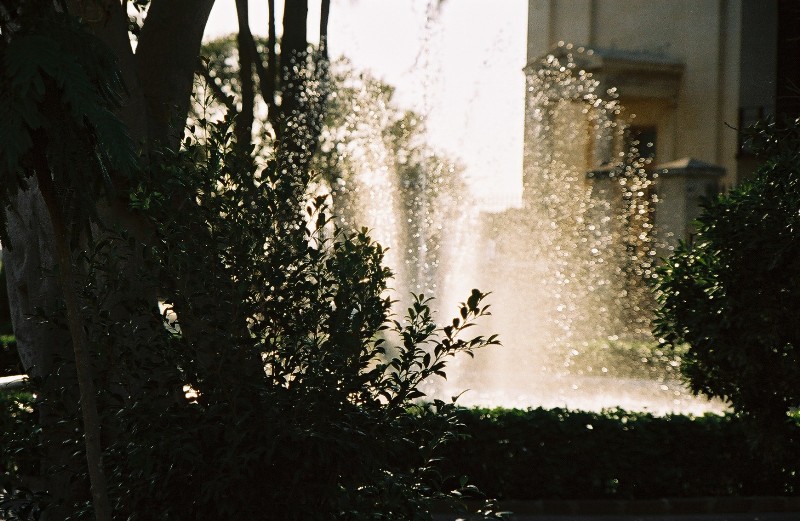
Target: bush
x,y
614,454
280,387
17,434
510,454
732,294
10,364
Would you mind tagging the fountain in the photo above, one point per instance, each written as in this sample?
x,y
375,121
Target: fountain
x,y
383,176
567,269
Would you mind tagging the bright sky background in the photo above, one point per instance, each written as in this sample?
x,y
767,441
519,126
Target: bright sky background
x,y
461,67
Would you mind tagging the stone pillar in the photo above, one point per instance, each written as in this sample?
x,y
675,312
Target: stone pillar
x,y
681,187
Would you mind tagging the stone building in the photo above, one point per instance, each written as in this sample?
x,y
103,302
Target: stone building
x,y
692,72
567,268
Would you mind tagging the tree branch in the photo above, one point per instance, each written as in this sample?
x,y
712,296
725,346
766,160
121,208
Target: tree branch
x,y
216,89
325,9
269,84
244,40
83,362
166,58
263,75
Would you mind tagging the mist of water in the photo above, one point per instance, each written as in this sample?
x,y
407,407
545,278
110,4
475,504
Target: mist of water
x,y
568,270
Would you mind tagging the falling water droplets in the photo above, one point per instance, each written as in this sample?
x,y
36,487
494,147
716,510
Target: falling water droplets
x,y
567,269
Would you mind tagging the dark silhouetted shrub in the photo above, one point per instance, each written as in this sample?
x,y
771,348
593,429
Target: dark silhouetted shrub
x,y
731,294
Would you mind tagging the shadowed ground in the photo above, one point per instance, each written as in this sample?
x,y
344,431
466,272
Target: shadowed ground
x,y
776,508
776,516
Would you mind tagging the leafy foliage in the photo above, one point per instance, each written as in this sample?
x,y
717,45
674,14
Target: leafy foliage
x,y
10,364
20,504
19,456
275,382
732,293
17,434
613,454
58,87
299,392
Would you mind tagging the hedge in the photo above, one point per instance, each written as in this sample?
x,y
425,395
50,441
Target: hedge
x,y
558,454
614,454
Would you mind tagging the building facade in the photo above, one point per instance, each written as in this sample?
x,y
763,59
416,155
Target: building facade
x,y
691,70
689,74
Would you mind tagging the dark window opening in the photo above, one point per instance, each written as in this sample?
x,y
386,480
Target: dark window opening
x,y
644,140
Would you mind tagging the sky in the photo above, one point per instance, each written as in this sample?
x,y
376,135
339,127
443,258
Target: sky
x,y
458,62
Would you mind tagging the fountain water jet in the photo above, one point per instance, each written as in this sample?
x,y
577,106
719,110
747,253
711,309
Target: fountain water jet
x,y
567,269
383,176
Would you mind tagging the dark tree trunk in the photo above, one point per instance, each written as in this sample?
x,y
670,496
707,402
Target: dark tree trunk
x,y
166,58
43,347
325,10
159,81
302,85
244,122
294,128
80,344
269,83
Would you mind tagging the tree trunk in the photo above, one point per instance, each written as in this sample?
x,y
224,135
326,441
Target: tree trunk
x,y
80,345
269,83
166,58
43,347
159,81
244,122
303,88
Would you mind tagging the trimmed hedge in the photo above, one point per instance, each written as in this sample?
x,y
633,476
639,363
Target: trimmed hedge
x,y
615,454
556,454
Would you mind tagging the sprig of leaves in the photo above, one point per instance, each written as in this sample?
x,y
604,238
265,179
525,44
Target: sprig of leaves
x,y
59,88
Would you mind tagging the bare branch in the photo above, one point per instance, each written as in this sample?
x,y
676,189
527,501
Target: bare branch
x,y
166,58
269,83
244,123
216,89
325,9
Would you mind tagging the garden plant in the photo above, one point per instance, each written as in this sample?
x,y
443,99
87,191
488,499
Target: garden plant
x,y
729,297
206,343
